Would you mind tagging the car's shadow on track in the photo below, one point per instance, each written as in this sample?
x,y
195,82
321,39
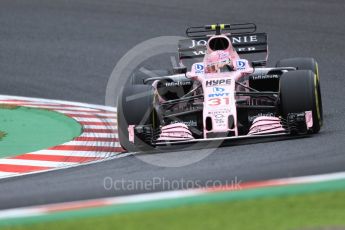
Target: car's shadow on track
x,y
219,144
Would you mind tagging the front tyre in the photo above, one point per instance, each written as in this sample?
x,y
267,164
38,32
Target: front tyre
x,y
134,107
300,92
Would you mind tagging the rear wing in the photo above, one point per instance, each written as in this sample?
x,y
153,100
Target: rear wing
x,y
243,43
248,43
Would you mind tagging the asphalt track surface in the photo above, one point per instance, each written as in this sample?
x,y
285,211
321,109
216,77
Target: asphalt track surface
x,y
68,49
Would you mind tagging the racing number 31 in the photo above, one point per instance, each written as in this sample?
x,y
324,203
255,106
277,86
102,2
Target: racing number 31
x,y
218,101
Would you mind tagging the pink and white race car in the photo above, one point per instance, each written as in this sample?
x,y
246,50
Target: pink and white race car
x,y
224,97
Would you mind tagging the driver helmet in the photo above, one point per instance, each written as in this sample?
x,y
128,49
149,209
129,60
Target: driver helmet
x,y
216,60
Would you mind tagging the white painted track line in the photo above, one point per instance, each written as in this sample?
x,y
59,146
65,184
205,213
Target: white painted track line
x,y
9,161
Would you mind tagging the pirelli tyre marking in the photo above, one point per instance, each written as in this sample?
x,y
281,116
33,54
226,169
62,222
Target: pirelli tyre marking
x,y
317,99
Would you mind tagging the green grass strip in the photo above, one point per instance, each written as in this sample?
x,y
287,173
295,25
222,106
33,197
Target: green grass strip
x,y
210,211
278,213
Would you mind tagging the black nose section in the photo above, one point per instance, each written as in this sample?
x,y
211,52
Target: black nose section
x,y
208,124
231,122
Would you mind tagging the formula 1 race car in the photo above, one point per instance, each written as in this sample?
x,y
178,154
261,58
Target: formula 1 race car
x,y
223,97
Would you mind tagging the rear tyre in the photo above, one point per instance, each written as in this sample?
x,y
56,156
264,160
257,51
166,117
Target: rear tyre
x,y
300,92
299,63
134,107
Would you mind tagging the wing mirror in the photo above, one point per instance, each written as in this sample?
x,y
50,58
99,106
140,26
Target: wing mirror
x,y
259,63
180,70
